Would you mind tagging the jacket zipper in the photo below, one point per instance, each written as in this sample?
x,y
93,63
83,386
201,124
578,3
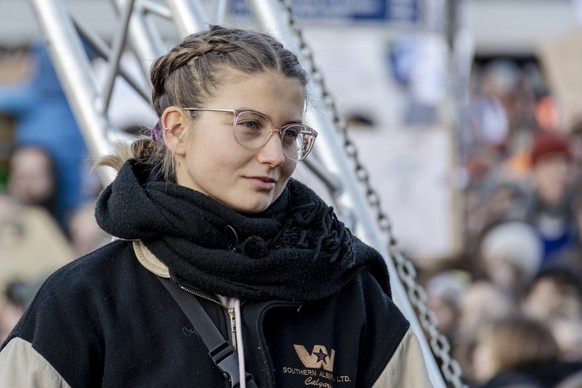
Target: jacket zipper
x,y
229,311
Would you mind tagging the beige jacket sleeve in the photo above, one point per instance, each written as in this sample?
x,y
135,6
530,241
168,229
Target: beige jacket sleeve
x,y
406,368
21,366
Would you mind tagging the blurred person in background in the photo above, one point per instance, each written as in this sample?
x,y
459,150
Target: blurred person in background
x,y
505,200
31,240
554,298
481,300
32,178
555,291
489,122
443,291
492,203
517,351
549,210
510,254
42,116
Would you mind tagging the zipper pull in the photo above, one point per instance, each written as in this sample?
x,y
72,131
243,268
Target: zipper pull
x,y
232,317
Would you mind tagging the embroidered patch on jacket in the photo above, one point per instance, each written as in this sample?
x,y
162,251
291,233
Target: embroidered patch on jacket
x,y
318,365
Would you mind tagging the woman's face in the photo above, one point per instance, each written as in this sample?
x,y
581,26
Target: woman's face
x,y
552,176
213,163
31,179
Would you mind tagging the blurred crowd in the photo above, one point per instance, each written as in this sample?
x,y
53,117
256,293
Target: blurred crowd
x,y
47,186
510,303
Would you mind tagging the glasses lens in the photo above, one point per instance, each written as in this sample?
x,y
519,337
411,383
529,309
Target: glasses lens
x,y
251,128
297,141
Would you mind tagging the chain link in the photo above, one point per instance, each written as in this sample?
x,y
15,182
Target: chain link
x,y
406,271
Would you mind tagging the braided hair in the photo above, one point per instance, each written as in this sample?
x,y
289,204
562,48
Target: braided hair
x,y
198,61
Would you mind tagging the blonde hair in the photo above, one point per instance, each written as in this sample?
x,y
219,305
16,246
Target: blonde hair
x,y
189,74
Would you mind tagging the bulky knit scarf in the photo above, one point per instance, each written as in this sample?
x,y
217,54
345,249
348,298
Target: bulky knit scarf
x,y
295,250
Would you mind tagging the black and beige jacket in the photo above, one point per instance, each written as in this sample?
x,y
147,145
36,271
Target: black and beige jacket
x,y
106,320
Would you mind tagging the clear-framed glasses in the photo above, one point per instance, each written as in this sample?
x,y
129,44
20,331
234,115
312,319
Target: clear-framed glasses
x,y
253,129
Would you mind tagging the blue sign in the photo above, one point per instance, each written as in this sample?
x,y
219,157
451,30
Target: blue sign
x,y
401,11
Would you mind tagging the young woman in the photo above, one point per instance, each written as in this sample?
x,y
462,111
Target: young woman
x,y
209,203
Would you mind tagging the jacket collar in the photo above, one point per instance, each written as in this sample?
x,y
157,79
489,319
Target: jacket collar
x,y
149,260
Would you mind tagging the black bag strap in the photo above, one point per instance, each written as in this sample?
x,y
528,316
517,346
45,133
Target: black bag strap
x,y
220,350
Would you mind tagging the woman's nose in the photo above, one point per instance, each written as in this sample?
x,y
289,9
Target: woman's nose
x,y
272,151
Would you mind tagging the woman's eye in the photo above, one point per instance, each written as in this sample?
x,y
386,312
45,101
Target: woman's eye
x,y
251,124
292,133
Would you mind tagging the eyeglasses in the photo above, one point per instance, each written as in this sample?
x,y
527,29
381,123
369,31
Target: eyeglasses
x,y
253,129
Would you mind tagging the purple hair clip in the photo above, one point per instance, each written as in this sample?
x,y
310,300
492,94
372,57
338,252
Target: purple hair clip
x,y
157,133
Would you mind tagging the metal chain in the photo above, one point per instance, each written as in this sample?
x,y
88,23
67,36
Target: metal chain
x,y
406,270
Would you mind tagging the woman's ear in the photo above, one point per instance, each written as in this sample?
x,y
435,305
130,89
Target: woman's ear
x,y
174,122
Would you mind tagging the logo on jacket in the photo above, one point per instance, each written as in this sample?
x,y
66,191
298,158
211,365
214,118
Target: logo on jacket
x,y
318,358
318,367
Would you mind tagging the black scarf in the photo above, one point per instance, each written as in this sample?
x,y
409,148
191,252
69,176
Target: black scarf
x,y
297,249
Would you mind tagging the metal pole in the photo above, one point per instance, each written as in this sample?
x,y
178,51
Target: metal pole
x,y
118,46
142,38
189,16
71,64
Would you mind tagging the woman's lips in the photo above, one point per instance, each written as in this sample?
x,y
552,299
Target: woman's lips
x,y
262,183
